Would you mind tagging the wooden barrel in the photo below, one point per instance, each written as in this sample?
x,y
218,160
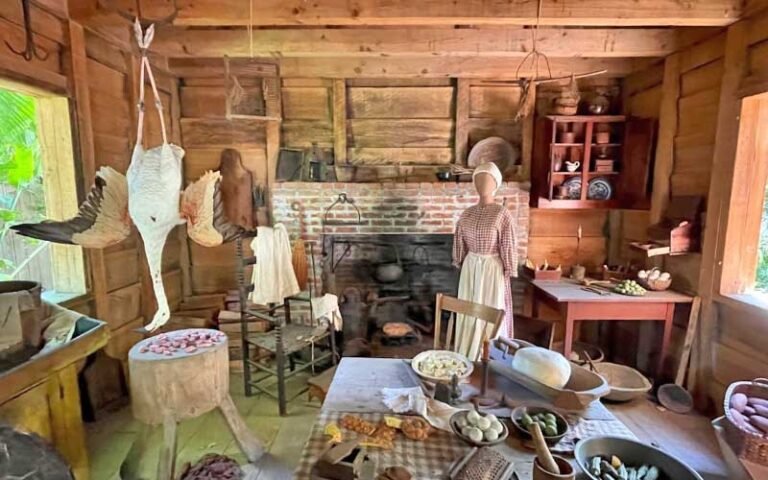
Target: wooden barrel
x,y
182,385
26,296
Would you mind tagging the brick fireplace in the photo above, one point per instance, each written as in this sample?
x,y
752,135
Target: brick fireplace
x,y
416,220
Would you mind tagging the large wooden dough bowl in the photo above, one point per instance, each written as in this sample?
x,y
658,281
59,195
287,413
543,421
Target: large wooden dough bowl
x,y
583,386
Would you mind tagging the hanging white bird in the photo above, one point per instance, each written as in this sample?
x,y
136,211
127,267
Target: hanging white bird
x,y
150,195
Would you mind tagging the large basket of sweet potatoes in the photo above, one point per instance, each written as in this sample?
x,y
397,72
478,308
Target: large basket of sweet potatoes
x,y
746,408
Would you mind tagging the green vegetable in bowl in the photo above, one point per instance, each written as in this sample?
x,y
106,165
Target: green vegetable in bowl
x,y
614,468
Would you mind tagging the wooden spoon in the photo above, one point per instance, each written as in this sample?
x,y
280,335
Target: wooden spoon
x,y
542,450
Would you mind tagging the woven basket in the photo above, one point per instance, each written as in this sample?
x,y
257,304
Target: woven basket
x,y
496,150
747,445
657,285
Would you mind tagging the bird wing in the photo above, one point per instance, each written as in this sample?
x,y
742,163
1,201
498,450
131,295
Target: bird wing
x,y
102,219
203,209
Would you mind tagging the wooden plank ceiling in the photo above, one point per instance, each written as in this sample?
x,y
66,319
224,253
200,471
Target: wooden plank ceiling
x,y
425,38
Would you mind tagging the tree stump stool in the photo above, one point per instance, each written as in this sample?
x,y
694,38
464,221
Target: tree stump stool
x,y
166,389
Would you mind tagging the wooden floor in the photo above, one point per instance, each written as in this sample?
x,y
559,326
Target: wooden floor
x,y
689,437
110,438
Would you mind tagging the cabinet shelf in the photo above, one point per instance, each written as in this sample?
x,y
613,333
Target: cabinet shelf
x,y
626,159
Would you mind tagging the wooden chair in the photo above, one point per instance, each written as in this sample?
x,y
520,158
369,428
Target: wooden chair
x,y
482,313
535,330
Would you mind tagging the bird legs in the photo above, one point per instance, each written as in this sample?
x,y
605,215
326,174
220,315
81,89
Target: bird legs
x,y
154,242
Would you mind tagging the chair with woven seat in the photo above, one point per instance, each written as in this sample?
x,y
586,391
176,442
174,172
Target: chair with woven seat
x,y
284,341
492,318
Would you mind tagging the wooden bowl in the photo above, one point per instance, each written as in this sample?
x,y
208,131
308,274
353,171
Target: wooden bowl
x,y
457,430
626,383
517,416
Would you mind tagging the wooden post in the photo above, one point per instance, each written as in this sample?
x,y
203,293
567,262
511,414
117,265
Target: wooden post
x,y
665,147
66,421
79,74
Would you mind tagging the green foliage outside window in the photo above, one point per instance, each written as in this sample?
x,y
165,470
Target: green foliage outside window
x,y
21,187
761,282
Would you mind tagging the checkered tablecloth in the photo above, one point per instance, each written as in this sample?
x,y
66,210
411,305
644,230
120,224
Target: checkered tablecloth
x,y
426,460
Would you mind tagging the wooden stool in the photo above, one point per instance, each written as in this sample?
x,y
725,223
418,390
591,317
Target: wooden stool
x,y
168,389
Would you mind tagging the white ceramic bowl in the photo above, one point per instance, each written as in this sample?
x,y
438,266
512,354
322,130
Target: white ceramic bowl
x,y
418,360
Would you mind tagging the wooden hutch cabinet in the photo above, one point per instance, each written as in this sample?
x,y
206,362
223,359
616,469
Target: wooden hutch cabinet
x,y
592,161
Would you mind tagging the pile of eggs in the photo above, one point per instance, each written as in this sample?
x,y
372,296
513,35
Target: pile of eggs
x,y
188,341
653,275
478,427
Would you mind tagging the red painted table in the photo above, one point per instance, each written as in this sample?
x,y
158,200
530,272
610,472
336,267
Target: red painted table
x,y
575,304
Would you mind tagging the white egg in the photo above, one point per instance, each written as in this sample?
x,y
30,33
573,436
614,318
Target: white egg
x,y
475,434
483,423
654,275
665,276
642,274
492,417
491,435
461,422
497,427
465,431
473,417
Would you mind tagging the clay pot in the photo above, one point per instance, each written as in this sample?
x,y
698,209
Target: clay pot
x,y
578,272
27,296
602,137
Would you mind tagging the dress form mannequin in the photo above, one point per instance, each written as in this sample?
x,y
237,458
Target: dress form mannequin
x,y
485,248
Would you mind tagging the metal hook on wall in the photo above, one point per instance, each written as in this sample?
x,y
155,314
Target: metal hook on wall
x,y
31,50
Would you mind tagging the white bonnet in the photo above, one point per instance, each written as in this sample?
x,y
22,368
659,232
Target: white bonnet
x,y
491,169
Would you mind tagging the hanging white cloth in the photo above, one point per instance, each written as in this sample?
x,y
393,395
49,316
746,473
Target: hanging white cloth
x,y
273,275
327,307
482,281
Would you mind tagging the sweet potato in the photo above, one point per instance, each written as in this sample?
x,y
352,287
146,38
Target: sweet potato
x,y
749,411
738,401
758,401
759,422
761,410
737,417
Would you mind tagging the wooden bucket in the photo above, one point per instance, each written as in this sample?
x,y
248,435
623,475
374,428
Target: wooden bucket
x,y
27,296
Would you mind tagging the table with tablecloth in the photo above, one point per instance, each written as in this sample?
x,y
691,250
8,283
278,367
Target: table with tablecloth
x,y
356,389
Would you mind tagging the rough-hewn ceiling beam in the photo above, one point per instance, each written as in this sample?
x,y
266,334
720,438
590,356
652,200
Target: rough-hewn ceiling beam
x,y
443,12
383,67
404,42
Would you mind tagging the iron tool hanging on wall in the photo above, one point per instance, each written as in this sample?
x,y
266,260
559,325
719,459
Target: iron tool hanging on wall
x,y
31,50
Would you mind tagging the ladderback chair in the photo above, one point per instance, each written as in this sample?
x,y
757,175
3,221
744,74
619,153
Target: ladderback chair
x,y
492,318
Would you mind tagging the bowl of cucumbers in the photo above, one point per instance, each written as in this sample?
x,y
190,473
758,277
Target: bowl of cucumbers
x,y
630,288
604,458
553,425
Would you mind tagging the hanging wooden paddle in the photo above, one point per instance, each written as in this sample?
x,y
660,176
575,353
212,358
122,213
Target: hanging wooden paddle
x,y
299,260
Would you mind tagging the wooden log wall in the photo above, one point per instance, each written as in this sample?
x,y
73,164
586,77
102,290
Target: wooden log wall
x,y
205,133
684,93
98,71
738,329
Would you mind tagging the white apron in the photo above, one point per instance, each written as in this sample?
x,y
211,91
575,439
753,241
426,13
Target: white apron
x,y
481,281
273,275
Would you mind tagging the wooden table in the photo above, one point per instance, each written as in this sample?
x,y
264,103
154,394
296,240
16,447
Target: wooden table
x,y
42,394
358,382
575,304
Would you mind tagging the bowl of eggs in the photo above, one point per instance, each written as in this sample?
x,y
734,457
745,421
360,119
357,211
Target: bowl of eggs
x,y
654,279
478,429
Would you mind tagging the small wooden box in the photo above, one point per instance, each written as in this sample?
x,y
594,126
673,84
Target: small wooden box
x,y
549,274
